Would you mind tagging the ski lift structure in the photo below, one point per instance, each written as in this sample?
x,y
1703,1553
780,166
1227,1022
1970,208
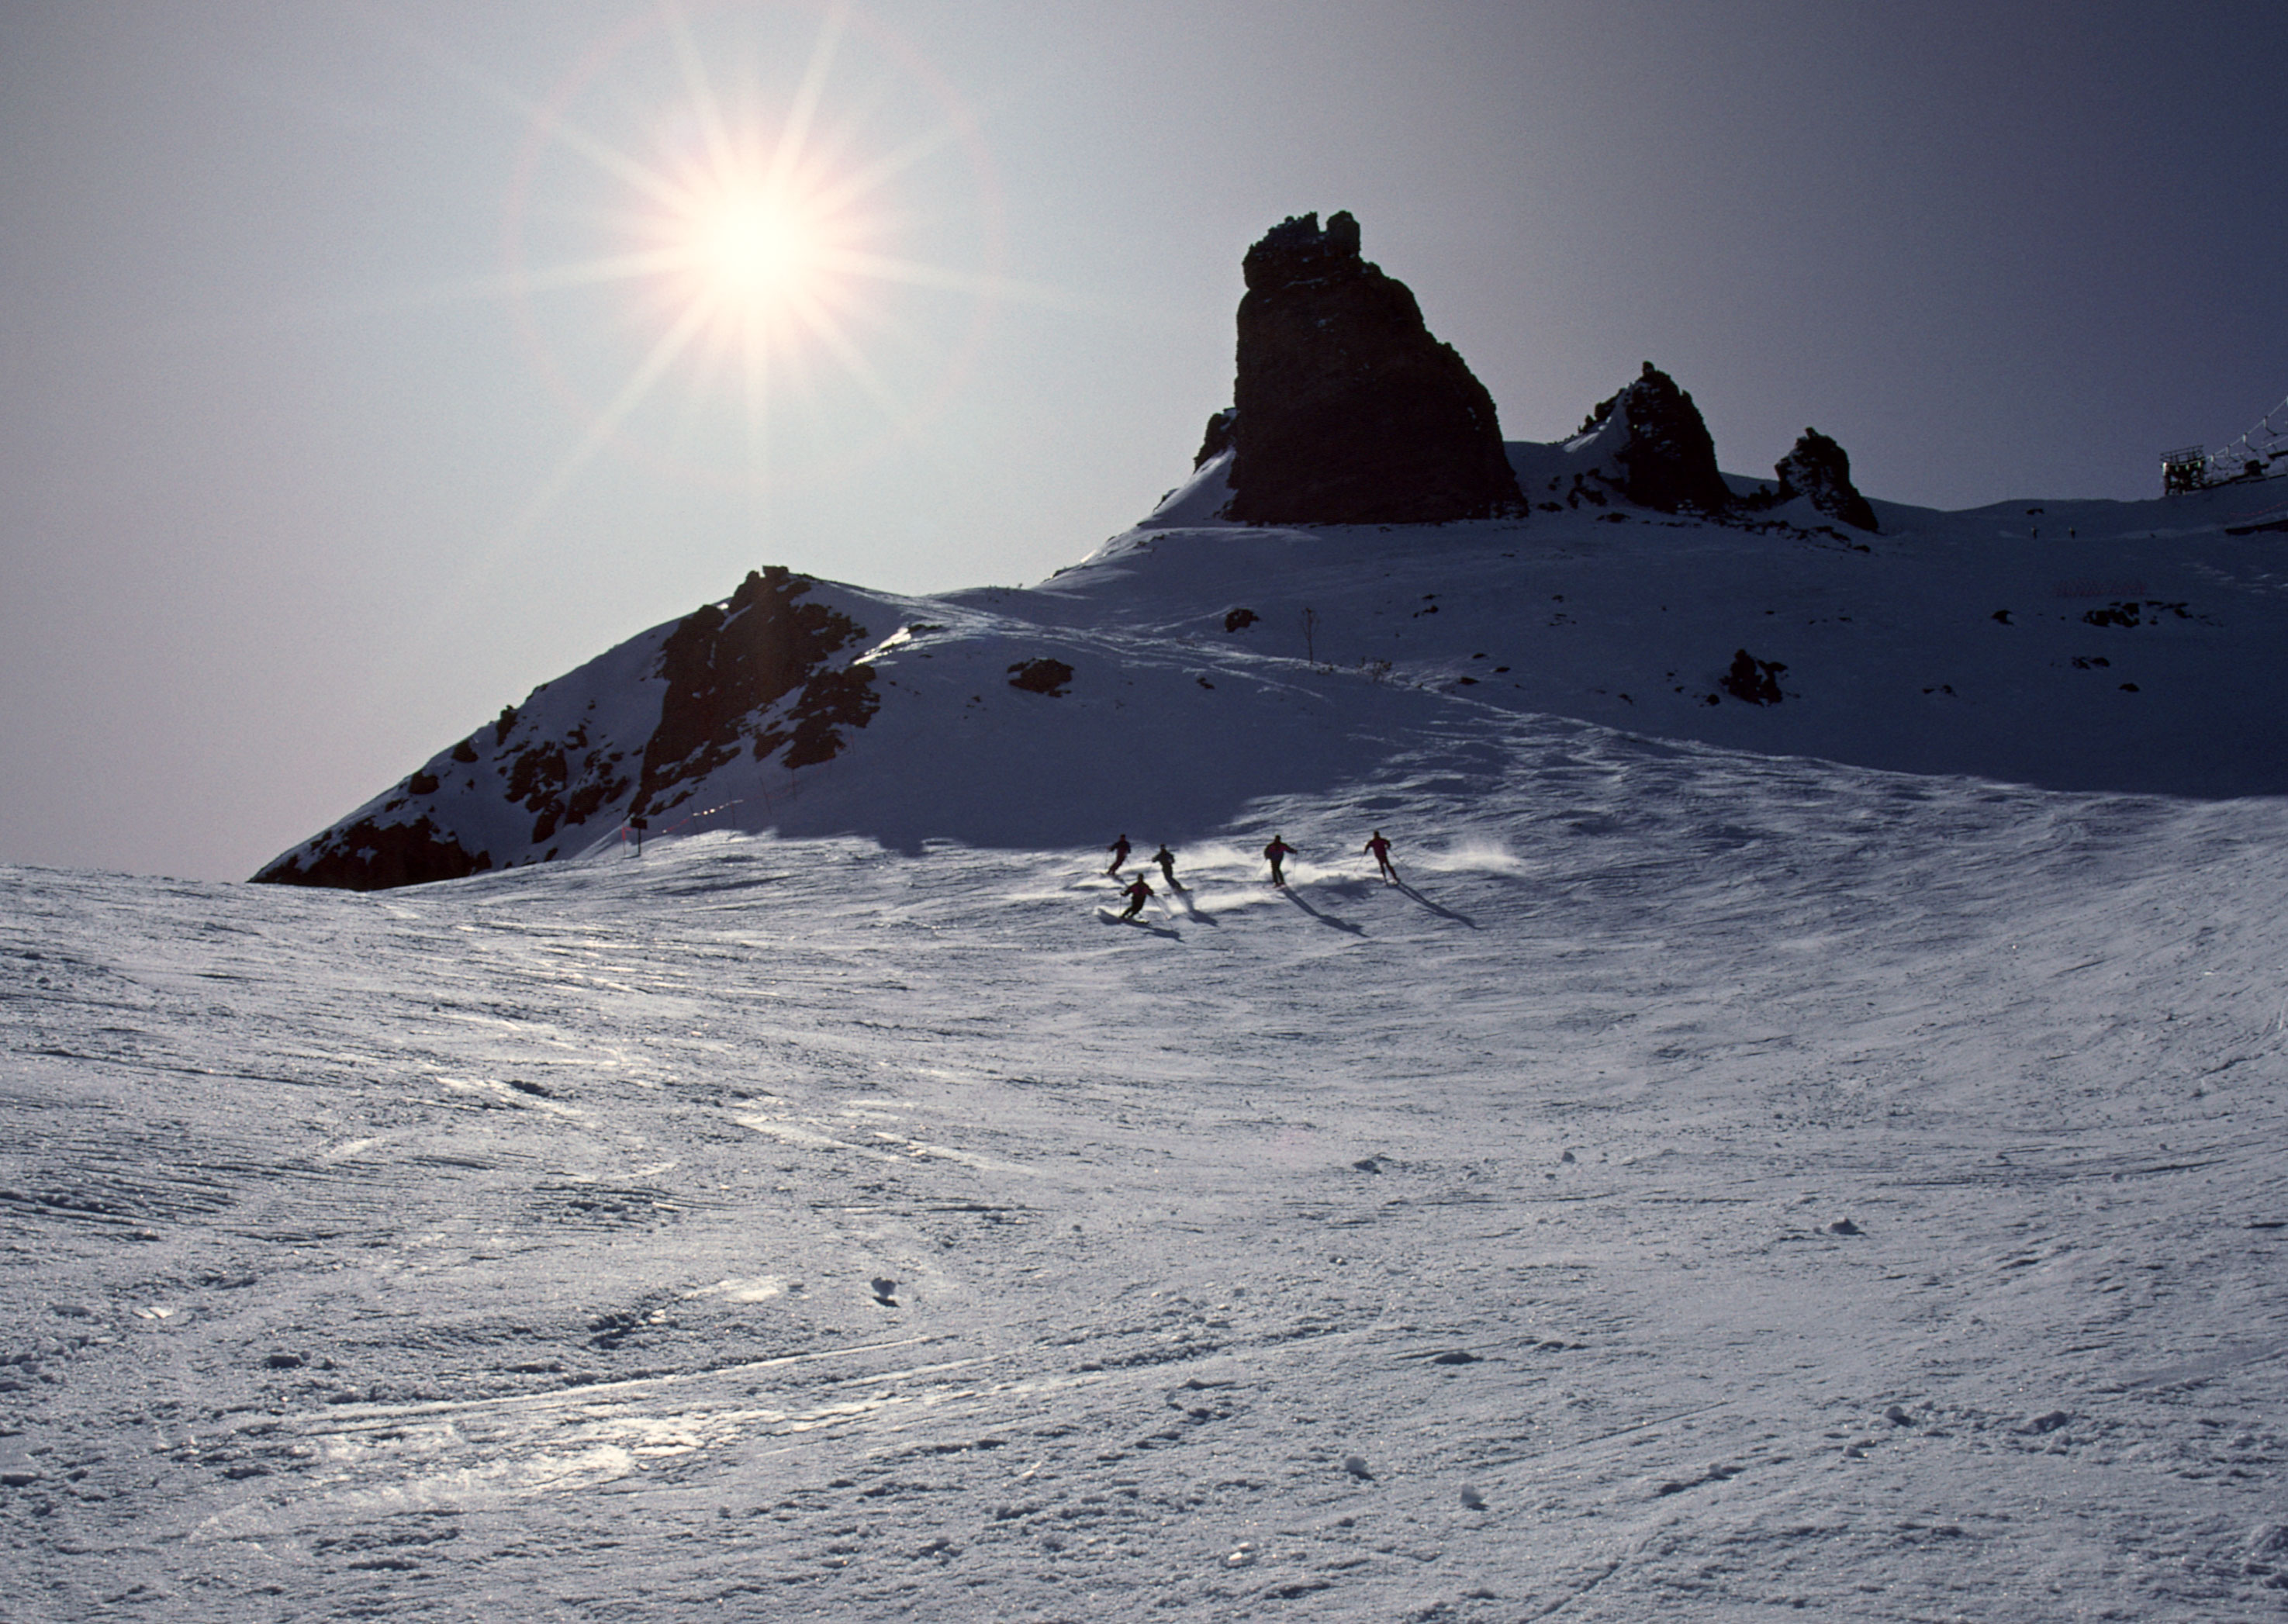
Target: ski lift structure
x,y
2260,453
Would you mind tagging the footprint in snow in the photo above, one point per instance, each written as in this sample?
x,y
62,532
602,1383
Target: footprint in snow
x,y
884,1292
1355,1464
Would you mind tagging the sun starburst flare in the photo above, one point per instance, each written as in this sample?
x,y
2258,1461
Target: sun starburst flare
x,y
787,256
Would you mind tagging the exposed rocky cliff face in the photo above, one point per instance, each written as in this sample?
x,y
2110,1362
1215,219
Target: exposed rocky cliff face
x,y
1661,445
1348,411
763,672
1820,469
371,856
724,666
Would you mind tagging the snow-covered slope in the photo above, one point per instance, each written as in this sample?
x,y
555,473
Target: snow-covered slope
x,y
1717,1186
2076,644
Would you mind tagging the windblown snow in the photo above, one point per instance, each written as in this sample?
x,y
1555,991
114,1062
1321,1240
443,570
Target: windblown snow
x,y
1820,1155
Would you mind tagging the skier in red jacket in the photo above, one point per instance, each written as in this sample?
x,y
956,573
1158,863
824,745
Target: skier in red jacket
x,y
1119,850
1137,892
1380,849
1278,852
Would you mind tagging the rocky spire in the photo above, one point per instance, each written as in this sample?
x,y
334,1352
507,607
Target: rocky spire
x,y
1348,411
1820,469
1667,457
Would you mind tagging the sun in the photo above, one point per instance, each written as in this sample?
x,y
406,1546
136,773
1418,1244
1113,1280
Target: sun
x,y
765,259
716,248
749,250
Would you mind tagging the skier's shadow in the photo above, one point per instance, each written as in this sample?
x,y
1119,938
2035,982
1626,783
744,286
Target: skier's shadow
x,y
1296,897
1108,917
1436,907
1192,910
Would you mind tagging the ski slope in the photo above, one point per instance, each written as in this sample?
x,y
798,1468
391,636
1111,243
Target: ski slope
x,y
1719,1183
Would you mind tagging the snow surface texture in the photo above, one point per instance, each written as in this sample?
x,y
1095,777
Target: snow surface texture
x,y
1717,1182
1713,1185
2069,645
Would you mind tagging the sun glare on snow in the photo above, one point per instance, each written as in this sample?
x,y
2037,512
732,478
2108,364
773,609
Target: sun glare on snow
x,y
752,244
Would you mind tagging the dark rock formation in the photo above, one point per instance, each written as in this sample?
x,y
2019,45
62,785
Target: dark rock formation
x,y
724,665
368,856
1667,457
1347,410
831,702
1041,675
564,779
1820,469
1217,441
1240,620
1756,681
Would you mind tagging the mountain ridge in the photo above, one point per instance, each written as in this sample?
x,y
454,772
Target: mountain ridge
x,y
1213,653
2088,645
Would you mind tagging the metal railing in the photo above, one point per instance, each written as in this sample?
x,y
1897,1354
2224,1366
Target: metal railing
x,y
2260,453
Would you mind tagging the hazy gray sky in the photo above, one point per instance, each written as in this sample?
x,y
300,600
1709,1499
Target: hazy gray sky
x,y
363,365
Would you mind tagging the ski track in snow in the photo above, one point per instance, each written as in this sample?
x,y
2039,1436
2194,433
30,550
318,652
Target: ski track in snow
x,y
1853,1193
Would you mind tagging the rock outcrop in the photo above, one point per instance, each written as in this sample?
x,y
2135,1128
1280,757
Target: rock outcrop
x,y
1756,681
1667,457
767,670
1347,410
368,855
1660,444
1820,469
1217,439
725,666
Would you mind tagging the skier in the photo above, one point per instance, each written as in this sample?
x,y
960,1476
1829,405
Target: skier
x,y
1167,861
1380,849
1278,852
1119,850
1137,892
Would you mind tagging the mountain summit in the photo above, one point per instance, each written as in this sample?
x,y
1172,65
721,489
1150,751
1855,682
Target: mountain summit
x,y
1347,410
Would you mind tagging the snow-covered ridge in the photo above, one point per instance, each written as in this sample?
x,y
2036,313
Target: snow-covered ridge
x,y
2079,645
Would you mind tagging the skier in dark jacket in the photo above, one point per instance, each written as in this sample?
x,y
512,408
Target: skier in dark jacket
x,y
1380,849
1138,893
1278,852
1119,850
1167,861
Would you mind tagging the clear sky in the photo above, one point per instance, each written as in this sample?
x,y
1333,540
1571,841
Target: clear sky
x,y
365,364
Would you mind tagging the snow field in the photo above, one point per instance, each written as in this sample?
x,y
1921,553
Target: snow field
x,y
1851,1192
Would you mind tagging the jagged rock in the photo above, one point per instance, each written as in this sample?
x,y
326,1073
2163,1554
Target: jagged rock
x,y
1756,681
724,665
1663,448
830,702
1239,619
1217,441
1347,410
1820,469
368,856
1041,675
758,670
